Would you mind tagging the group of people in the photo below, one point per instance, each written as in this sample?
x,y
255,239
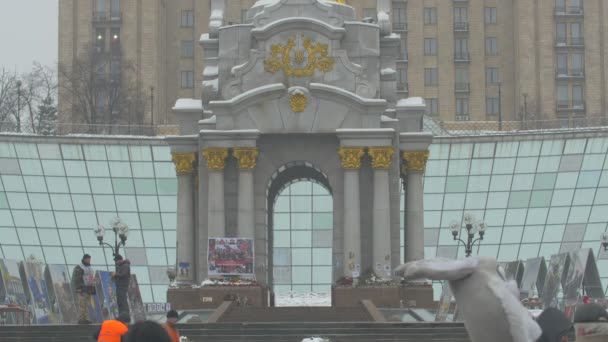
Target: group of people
x,y
590,324
83,283
117,330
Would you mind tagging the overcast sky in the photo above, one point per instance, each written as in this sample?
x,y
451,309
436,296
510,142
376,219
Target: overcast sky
x,y
28,33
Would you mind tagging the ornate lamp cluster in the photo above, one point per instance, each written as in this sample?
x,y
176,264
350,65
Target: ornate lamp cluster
x,y
121,232
473,227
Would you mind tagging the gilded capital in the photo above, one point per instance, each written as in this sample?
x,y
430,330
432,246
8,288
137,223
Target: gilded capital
x,y
381,157
184,162
247,157
350,157
216,157
416,160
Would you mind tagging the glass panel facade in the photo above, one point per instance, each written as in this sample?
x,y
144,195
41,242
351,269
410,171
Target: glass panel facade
x,y
538,197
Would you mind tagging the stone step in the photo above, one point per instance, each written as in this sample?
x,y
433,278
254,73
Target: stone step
x,y
284,332
296,314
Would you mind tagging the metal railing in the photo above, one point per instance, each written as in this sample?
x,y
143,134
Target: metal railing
x,y
570,41
399,26
63,128
402,86
565,72
575,10
461,57
462,87
107,16
462,26
459,128
575,105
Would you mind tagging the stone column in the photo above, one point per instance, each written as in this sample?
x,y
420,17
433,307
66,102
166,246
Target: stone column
x,y
247,158
381,161
415,163
216,221
351,162
184,167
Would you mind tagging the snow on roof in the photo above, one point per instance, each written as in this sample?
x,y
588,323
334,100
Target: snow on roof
x,y
385,118
387,71
188,104
210,120
411,102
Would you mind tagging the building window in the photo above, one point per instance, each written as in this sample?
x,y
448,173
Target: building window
x,y
576,33
101,7
578,64
462,108
244,15
430,46
100,40
491,46
560,6
431,78
187,79
115,8
492,105
492,76
403,50
399,16
115,36
402,79
432,106
461,49
562,64
563,100
430,16
188,18
460,15
560,33
187,48
577,96
491,17
461,76
370,13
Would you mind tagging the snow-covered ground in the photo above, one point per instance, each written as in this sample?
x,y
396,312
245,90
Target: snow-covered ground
x,y
302,299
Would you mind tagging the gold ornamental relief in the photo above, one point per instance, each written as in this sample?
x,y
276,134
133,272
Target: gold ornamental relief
x,y
350,157
314,55
381,157
416,160
298,102
246,156
216,157
184,162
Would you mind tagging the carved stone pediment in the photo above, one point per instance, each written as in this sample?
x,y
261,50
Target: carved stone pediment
x,y
275,108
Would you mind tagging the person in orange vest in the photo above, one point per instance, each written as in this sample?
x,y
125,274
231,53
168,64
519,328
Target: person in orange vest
x,y
170,325
113,330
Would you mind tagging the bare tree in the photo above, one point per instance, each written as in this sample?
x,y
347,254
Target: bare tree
x,y
8,93
100,89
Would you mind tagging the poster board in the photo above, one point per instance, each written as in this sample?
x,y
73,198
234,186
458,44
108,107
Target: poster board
x,y
230,256
37,293
106,290
514,270
582,279
60,292
444,302
556,274
11,288
533,279
136,304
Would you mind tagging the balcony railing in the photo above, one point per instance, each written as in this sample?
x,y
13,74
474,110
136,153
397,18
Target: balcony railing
x,y
462,117
462,87
402,57
575,10
67,128
565,73
399,26
570,105
570,41
462,57
113,16
402,87
461,26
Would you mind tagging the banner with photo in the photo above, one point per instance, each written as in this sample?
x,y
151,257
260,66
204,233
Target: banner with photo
x,y
533,278
11,289
556,274
230,256
582,279
60,292
136,305
36,290
106,290
514,270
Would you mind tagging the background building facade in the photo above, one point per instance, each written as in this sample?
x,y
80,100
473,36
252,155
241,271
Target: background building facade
x,y
470,59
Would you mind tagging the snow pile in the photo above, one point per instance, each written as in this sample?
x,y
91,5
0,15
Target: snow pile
x,y
315,339
302,299
411,102
226,282
188,104
387,71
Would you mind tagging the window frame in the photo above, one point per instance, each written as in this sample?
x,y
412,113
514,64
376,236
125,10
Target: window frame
x,y
189,79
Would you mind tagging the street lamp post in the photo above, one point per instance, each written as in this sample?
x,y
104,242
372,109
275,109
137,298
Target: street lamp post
x,y
121,231
472,228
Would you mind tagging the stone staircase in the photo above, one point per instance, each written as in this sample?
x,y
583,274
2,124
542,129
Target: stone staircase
x,y
258,332
295,314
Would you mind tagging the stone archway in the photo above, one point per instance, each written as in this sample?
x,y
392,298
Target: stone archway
x,y
300,234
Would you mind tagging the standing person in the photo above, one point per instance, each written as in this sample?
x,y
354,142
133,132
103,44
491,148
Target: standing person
x,y
170,326
147,331
83,283
113,330
121,278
